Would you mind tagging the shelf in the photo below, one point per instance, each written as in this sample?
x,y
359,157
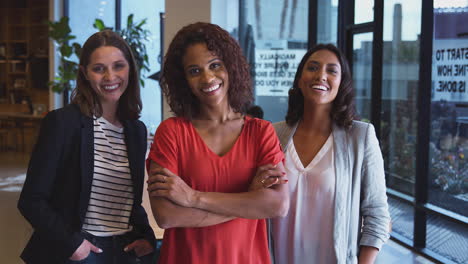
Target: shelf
x,y
16,61
18,25
17,73
20,89
24,45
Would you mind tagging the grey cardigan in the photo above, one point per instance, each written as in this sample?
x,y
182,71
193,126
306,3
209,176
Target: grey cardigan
x,y
361,210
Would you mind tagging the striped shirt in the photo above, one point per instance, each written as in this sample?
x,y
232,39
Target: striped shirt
x,y
111,198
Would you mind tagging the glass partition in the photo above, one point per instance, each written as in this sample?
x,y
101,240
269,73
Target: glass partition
x,y
327,21
401,48
151,92
448,183
273,36
363,11
362,73
84,12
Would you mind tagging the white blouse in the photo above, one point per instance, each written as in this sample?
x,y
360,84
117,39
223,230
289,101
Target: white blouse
x,y
305,235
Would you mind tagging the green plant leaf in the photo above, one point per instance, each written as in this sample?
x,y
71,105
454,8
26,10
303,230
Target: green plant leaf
x,y
67,38
141,23
129,20
77,49
99,24
66,50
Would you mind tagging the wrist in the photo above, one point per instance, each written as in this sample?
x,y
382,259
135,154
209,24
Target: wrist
x,y
196,197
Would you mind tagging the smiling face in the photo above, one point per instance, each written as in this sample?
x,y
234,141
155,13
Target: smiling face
x,y
108,73
206,75
320,78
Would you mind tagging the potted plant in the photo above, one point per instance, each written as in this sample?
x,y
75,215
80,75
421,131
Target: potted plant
x,y
60,32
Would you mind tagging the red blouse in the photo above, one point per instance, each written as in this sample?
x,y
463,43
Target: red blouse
x,y
178,147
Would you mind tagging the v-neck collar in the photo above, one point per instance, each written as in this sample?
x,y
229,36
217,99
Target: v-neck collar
x,y
322,152
194,130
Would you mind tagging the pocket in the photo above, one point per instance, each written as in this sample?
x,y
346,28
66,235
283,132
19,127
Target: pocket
x,y
86,260
146,259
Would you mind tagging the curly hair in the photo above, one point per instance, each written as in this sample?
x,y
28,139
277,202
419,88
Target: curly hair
x,y
343,109
174,84
86,98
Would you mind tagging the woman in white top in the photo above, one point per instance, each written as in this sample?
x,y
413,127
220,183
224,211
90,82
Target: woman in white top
x,y
338,211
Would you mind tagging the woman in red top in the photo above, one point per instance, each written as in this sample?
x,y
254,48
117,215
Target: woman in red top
x,y
203,161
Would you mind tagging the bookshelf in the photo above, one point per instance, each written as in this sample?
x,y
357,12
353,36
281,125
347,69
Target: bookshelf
x,y
24,52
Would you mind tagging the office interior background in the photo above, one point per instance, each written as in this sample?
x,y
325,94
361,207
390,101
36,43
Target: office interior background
x,y
409,61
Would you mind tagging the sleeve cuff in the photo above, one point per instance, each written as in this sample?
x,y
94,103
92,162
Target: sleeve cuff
x,y
372,242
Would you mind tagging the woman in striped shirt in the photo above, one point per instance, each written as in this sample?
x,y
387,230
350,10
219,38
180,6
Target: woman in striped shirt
x,y
84,184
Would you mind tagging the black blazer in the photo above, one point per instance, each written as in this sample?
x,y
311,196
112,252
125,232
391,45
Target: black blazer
x,y
57,189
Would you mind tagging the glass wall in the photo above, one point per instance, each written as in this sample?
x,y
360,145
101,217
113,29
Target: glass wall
x,y
363,11
400,75
151,92
448,156
84,12
327,21
362,73
449,110
274,48
401,48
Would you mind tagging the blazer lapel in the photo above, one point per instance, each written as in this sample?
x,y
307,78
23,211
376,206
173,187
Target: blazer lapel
x,y
133,149
87,162
341,156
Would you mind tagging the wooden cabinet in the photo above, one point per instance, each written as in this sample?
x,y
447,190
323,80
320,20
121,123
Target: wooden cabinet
x,y
24,52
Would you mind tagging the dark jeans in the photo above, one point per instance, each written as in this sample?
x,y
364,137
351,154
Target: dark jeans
x,y
112,251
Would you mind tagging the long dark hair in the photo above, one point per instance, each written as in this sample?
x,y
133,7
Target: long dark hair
x,y
174,84
343,107
85,97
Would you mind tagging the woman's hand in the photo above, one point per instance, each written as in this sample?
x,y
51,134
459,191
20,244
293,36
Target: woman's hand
x,y
163,183
84,250
267,176
141,247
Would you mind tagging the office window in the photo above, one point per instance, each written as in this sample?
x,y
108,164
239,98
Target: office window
x,y
273,37
84,12
363,11
400,76
449,109
327,21
151,93
362,73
